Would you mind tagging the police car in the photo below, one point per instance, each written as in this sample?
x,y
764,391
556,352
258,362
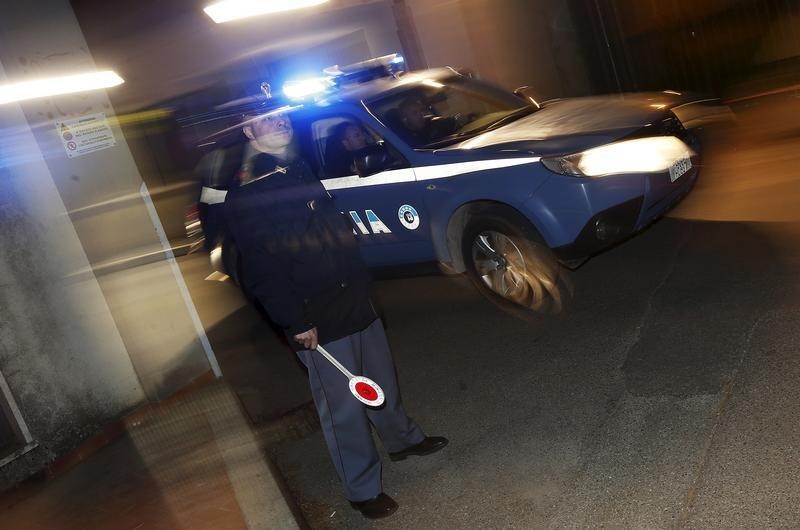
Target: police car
x,y
436,166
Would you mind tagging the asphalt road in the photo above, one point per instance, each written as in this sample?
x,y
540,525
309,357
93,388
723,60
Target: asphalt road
x,y
663,396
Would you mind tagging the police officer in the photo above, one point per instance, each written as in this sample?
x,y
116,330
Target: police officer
x,y
301,261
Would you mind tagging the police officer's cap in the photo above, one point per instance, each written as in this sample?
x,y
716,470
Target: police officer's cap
x,y
248,107
234,115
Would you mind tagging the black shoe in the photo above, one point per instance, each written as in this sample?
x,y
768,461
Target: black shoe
x,y
377,507
429,445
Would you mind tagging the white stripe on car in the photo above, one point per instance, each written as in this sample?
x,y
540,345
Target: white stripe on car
x,y
396,176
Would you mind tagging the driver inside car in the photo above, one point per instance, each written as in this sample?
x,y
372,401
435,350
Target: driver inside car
x,y
420,128
359,155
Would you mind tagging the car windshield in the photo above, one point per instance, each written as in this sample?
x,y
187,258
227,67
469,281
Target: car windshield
x,y
438,112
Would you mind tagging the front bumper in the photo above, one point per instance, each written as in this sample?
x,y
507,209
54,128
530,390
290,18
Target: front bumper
x,y
602,230
621,221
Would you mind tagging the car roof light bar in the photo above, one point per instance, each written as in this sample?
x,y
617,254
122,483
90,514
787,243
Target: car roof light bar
x,y
307,88
391,65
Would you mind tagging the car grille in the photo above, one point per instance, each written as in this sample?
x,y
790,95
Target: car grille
x,y
672,126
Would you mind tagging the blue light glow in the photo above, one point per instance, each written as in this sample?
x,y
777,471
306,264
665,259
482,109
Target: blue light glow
x,y
304,88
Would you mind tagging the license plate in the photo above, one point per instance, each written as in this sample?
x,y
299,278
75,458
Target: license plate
x,y
678,168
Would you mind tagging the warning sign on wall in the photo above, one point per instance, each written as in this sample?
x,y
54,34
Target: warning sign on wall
x,y
86,134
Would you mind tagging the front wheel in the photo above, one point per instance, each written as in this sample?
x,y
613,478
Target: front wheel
x,y
508,262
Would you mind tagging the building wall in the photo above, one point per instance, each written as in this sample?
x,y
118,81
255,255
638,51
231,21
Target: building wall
x,y
719,47
441,31
85,333
60,352
513,42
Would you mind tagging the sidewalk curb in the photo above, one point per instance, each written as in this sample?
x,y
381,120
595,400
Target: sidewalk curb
x,y
116,428
290,426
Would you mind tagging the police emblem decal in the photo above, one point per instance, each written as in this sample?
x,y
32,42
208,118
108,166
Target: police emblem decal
x,y
408,217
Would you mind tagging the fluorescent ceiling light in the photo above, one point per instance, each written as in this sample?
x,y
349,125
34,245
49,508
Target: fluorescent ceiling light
x,y
54,86
228,10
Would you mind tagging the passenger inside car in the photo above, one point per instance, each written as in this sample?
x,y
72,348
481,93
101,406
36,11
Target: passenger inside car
x,y
345,140
350,150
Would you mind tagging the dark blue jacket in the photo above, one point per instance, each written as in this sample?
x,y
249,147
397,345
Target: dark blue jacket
x,y
300,258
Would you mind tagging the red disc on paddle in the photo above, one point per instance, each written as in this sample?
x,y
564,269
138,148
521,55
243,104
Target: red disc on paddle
x,y
366,391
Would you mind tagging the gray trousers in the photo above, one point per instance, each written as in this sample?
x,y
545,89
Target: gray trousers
x,y
346,421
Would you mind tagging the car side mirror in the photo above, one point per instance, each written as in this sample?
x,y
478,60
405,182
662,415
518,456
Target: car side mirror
x,y
526,93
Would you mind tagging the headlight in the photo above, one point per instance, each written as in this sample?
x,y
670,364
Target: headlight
x,y
642,155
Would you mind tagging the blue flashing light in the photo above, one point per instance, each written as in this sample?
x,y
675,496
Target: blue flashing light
x,y
337,76
305,88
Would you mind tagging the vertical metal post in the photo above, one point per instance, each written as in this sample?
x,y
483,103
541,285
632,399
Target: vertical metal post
x,y
608,45
407,33
176,271
17,421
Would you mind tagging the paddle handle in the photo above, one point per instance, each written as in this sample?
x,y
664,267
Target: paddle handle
x,y
334,362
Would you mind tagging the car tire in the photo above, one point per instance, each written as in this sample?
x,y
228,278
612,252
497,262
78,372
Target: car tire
x,y
508,261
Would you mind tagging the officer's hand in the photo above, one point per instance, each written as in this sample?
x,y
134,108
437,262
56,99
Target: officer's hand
x,y
308,339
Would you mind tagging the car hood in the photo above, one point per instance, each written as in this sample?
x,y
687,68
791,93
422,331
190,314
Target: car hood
x,y
572,125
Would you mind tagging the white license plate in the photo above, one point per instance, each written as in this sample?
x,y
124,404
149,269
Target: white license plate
x,y
678,168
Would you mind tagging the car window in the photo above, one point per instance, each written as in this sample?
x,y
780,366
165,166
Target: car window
x,y
340,142
429,112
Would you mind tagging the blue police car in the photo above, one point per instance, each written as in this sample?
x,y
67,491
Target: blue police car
x,y
436,166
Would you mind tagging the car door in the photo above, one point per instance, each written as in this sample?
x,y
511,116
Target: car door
x,y
385,204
